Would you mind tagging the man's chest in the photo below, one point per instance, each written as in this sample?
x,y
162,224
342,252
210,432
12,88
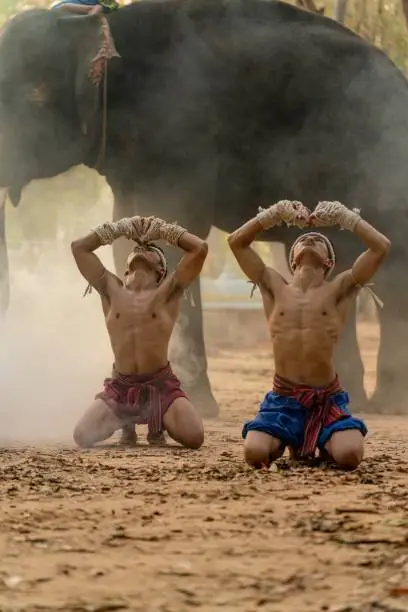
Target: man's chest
x,y
303,310
143,314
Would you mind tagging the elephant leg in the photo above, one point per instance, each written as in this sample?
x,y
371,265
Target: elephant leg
x,y
187,348
349,364
4,265
390,395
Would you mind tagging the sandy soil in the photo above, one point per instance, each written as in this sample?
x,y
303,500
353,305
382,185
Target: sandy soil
x,y
169,530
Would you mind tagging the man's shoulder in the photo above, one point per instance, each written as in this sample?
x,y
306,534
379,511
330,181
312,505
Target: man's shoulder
x,y
272,275
112,282
343,279
344,285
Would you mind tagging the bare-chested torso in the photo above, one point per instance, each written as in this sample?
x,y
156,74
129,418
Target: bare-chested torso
x,y
140,325
304,326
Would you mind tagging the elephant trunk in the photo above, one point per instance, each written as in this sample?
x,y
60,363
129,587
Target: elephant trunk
x,y
4,267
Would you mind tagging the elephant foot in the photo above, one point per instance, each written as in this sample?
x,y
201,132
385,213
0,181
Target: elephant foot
x,y
388,401
204,400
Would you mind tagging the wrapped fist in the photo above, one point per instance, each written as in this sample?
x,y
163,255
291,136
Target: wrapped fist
x,y
150,229
328,214
147,229
286,211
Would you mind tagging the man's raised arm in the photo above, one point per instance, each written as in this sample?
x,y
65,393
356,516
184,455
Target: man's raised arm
x,y
190,265
195,252
89,264
248,259
292,213
378,245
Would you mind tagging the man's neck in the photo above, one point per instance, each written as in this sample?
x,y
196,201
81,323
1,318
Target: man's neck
x,y
308,276
141,285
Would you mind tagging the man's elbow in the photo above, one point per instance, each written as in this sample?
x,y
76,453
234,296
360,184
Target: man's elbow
x,y
232,240
202,251
199,255
75,247
384,247
387,245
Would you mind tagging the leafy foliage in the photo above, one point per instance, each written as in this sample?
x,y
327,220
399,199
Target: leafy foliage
x,y
381,22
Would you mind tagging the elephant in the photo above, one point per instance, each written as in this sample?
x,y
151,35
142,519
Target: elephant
x,y
202,110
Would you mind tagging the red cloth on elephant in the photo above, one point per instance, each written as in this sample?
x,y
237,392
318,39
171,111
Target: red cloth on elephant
x,y
142,399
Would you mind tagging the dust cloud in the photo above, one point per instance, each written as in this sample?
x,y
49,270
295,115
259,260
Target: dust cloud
x,y
54,350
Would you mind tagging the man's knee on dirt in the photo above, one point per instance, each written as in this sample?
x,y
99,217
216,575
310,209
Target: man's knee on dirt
x,y
191,437
195,439
260,449
349,458
346,448
183,423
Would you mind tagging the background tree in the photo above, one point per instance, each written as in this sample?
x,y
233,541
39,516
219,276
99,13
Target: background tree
x,y
405,10
382,23
310,6
340,9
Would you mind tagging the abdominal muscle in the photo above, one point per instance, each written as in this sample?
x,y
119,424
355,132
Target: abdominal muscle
x,y
304,336
140,336
303,361
135,357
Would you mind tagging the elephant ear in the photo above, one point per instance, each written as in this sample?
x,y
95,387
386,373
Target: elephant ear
x,y
93,47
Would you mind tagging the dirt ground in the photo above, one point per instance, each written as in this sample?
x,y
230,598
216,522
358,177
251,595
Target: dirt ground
x,y
170,530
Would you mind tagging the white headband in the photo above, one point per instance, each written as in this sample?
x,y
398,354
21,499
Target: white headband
x,y
332,255
154,249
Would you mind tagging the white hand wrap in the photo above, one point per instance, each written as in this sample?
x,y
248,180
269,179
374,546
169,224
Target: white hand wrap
x,y
335,213
172,233
157,229
110,231
287,211
140,229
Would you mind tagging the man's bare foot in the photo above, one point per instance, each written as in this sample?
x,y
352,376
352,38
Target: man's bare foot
x,y
293,453
158,440
129,436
